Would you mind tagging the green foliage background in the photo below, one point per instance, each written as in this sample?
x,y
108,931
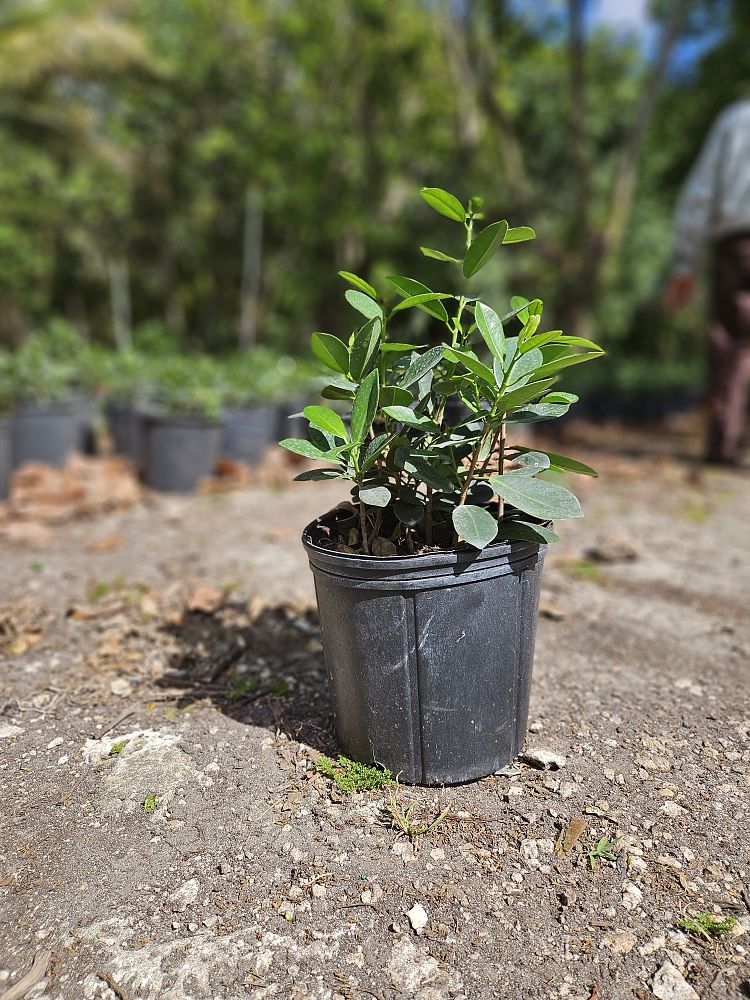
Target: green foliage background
x,y
133,134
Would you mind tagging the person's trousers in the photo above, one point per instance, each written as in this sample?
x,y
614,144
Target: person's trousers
x,y
729,350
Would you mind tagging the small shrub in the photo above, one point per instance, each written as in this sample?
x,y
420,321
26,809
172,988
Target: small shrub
x,y
351,776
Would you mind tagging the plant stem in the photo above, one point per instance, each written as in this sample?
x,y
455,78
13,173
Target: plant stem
x,y
472,468
428,517
500,465
363,528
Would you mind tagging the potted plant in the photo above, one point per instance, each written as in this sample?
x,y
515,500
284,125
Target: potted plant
x,y
252,411
183,435
6,421
46,425
129,385
428,579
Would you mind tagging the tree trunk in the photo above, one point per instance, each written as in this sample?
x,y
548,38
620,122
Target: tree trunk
x,y
252,258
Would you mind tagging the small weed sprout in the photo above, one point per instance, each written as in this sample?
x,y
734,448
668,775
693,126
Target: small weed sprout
x,y
117,747
603,850
351,776
706,925
243,684
150,804
100,589
400,819
280,687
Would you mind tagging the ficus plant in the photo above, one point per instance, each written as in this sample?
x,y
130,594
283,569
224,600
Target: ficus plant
x,y
426,443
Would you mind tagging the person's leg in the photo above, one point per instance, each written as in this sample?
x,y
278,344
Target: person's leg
x,y
729,351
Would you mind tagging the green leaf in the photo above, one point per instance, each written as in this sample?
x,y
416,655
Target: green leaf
x,y
364,351
360,283
532,462
335,392
421,301
517,234
301,447
326,420
523,394
410,287
529,328
491,330
561,463
522,308
444,203
405,415
540,340
483,247
408,513
393,395
316,475
579,342
475,525
439,255
423,364
536,496
375,496
391,345
526,531
364,304
472,363
426,473
374,448
524,367
331,351
365,406
566,362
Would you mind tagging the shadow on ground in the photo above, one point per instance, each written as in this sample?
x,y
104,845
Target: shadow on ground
x,y
268,673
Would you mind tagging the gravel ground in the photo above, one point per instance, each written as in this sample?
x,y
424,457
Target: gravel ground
x,y
164,832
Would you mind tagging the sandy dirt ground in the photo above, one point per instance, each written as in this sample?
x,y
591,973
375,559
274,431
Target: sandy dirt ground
x,y
165,834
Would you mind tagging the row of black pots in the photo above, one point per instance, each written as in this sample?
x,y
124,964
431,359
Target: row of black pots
x,y
172,453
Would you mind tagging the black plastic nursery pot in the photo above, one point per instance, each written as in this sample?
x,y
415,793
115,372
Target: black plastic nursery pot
x,y
45,433
429,657
248,431
86,410
6,460
179,452
126,428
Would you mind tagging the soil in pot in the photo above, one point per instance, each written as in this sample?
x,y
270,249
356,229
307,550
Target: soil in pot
x,y
46,433
5,454
179,452
126,428
429,657
248,431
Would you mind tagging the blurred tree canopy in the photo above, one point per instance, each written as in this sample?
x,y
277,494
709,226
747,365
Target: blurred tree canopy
x,y
208,166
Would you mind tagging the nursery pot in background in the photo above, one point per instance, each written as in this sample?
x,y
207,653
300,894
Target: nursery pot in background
x,y
86,411
46,433
179,451
248,431
291,422
429,657
6,461
126,427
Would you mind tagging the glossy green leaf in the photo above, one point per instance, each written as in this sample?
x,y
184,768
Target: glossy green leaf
x,y
301,447
410,287
375,496
374,449
565,338
540,340
363,304
331,351
483,247
472,363
364,352
405,415
529,329
475,525
394,395
425,472
327,420
522,308
523,394
408,513
561,463
423,364
444,203
400,348
422,300
360,283
491,330
365,406
536,496
317,475
439,255
517,234
532,462
525,367
566,362
526,531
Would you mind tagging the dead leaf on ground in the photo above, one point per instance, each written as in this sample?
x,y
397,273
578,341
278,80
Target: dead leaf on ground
x,y
24,642
205,599
83,612
569,837
106,544
551,612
